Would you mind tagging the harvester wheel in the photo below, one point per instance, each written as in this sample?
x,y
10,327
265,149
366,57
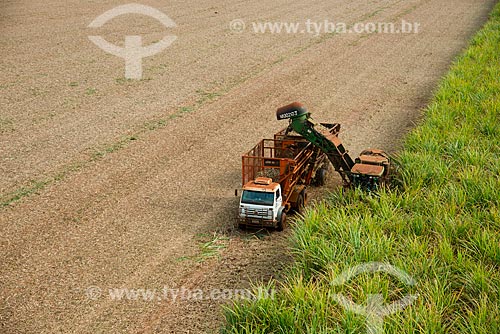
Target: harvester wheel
x,y
282,222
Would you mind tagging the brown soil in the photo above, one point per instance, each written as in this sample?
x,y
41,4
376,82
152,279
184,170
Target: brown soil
x,y
96,209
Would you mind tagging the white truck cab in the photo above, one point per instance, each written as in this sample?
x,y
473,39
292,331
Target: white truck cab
x,y
261,203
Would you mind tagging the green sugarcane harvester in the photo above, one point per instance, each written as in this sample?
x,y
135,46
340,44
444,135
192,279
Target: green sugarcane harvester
x,y
276,172
368,172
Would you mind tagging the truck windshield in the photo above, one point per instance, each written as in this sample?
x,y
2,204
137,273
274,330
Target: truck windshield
x,y
257,197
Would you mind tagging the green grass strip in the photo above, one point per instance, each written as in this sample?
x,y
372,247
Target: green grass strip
x,y
442,226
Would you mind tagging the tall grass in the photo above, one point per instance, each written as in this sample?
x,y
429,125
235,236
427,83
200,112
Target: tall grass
x,y
441,226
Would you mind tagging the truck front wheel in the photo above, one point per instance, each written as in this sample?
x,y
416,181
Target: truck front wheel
x,y
281,221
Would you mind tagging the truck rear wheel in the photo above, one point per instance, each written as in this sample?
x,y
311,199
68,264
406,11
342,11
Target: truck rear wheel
x,y
321,177
281,222
301,202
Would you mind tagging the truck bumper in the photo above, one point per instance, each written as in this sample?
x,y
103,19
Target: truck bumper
x,y
256,222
